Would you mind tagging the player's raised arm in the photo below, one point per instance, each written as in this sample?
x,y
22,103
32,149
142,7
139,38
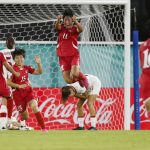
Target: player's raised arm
x,y
57,23
39,70
10,69
79,26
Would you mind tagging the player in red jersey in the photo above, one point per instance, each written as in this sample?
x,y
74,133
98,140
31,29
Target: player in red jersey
x,y
23,92
67,50
10,45
4,90
145,70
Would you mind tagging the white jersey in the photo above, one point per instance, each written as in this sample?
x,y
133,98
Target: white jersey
x,y
94,85
8,57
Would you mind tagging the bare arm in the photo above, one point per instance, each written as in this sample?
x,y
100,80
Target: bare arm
x,y
82,96
10,69
57,23
39,70
14,85
79,26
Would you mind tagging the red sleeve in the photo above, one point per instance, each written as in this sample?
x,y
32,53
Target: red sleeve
x,y
2,58
30,69
76,30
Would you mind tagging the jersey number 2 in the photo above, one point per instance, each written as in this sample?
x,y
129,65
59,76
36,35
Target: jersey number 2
x,y
146,59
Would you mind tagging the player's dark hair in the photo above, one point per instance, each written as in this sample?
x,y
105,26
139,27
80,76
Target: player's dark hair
x,y
18,52
65,93
10,42
67,12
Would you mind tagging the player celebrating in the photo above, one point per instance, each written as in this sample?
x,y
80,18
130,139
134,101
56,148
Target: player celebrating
x,y
76,90
23,93
145,70
67,49
4,91
10,43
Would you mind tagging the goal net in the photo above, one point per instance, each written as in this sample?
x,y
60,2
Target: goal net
x,y
102,49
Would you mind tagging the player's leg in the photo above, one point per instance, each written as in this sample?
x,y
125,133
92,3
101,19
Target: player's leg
x,y
65,68
80,114
34,106
147,104
3,113
75,74
90,102
10,108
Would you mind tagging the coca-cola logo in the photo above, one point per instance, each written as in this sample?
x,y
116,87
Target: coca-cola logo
x,y
143,113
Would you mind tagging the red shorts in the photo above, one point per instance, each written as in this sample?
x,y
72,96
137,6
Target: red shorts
x,y
4,89
145,91
22,98
67,62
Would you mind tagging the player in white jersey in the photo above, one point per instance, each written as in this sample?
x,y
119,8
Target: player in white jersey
x,y
75,90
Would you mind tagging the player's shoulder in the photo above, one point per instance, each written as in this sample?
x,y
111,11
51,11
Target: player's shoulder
x,y
145,44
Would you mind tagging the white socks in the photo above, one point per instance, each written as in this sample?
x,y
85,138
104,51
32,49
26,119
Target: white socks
x,y
81,122
3,118
93,122
23,123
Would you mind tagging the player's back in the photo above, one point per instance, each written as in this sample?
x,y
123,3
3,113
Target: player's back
x,y
145,61
2,59
67,41
8,57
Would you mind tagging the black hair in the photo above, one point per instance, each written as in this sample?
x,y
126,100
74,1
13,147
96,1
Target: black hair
x,y
10,42
67,12
18,52
65,93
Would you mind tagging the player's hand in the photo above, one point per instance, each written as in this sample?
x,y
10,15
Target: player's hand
x,y
74,19
17,74
22,86
37,59
59,17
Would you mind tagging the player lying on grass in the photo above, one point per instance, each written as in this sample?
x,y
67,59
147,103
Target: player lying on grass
x,y
4,91
145,69
75,90
22,91
67,48
10,47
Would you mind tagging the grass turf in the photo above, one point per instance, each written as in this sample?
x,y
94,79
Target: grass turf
x,y
75,140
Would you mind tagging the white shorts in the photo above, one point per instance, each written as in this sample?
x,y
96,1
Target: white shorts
x,y
95,89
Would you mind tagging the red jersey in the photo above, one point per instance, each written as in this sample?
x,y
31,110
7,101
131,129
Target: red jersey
x,y
2,60
145,62
67,41
23,78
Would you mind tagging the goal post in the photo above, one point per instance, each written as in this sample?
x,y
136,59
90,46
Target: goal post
x,y
106,36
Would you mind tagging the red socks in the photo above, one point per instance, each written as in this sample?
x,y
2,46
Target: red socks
x,y
40,119
10,107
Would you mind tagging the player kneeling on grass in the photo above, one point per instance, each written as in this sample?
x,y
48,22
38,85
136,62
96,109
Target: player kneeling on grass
x,y
22,90
75,90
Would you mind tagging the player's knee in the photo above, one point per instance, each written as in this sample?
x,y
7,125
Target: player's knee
x,y
79,105
25,117
34,108
147,105
89,103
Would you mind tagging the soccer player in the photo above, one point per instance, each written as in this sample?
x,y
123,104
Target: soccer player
x,y
145,70
10,44
4,90
67,50
75,90
23,93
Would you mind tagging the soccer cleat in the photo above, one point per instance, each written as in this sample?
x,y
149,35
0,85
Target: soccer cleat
x,y
26,128
3,129
44,130
79,128
92,128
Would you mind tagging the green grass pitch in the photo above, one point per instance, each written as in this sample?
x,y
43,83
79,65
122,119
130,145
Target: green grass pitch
x,y
75,140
